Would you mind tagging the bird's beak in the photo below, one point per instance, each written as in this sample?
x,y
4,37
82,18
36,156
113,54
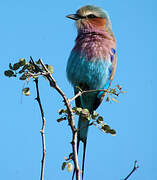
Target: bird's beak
x,y
74,16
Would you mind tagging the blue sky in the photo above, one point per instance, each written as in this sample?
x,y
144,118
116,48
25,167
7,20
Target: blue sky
x,y
40,29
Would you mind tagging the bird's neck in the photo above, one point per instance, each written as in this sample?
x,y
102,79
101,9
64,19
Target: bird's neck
x,y
83,33
95,43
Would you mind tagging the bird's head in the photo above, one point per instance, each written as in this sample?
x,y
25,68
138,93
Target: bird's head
x,y
90,18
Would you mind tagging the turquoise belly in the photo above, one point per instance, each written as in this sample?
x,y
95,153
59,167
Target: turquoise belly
x,y
94,73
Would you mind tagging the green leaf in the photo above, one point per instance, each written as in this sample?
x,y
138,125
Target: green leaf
x,y
21,71
95,115
50,68
60,111
85,113
22,61
16,66
23,77
100,119
112,131
105,127
78,110
38,62
26,91
65,111
63,165
10,66
26,66
115,100
61,119
69,167
9,73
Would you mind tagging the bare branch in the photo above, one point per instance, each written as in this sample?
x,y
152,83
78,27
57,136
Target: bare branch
x,y
70,117
37,74
76,96
88,91
34,70
134,169
42,130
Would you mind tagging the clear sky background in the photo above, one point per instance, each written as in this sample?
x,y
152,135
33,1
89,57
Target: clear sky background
x,y
40,29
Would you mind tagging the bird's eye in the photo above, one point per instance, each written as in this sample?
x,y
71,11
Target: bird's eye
x,y
91,16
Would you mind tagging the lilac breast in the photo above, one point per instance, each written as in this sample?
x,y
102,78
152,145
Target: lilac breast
x,y
94,45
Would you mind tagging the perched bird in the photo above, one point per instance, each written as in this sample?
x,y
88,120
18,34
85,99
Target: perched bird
x,y
92,62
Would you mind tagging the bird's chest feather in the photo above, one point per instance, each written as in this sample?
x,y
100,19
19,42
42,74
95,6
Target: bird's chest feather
x,y
93,73
89,62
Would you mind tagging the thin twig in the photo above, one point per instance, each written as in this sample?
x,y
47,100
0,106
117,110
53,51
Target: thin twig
x,y
134,169
70,117
87,91
36,74
42,130
77,95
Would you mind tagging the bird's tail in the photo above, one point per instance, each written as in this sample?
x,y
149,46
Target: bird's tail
x,y
84,153
83,125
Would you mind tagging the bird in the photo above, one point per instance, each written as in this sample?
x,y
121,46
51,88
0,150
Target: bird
x,y
91,64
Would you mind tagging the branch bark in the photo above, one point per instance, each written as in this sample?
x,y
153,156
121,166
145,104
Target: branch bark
x,y
70,117
88,91
42,130
134,169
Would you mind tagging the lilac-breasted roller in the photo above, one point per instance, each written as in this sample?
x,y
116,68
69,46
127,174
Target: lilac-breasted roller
x,y
92,62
